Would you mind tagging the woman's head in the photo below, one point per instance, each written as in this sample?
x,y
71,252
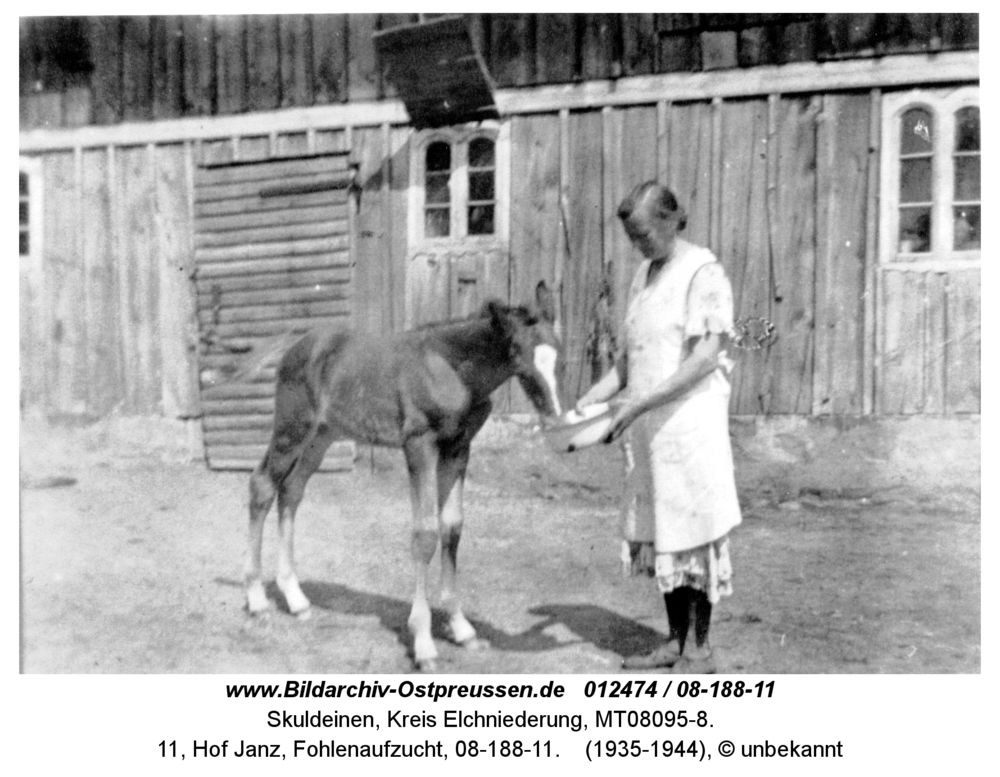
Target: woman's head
x,y
652,217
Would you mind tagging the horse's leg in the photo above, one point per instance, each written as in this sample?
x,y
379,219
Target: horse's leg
x,y
422,460
451,482
289,496
262,493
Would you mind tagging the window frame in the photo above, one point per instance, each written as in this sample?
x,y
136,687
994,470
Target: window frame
x,y
32,167
943,105
459,138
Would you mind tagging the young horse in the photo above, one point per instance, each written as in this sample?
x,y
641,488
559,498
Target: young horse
x,y
426,391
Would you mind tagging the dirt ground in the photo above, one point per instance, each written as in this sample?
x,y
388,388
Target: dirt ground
x,y
131,561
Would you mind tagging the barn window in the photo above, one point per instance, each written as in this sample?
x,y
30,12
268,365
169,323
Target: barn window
x,y
932,208
457,189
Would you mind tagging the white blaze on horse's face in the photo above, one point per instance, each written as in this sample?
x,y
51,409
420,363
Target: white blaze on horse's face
x,y
545,362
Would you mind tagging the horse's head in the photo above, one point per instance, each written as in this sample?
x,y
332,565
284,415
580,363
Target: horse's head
x,y
535,350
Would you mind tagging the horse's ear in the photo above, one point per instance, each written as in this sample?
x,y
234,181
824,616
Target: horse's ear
x,y
546,302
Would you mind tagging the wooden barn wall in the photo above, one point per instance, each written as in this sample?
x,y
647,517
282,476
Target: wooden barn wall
x,y
115,300
781,188
76,71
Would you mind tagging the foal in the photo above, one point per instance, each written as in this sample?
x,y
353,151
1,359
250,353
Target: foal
x,y
426,391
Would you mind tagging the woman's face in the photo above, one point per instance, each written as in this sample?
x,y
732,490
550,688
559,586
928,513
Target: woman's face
x,y
652,234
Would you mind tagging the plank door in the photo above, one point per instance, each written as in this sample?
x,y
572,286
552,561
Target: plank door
x,y
273,255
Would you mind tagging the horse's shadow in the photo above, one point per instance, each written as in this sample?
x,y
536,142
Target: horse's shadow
x,y
590,624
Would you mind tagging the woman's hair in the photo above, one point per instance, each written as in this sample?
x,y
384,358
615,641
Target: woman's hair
x,y
667,206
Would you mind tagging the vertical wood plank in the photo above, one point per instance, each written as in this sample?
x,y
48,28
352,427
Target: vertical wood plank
x,y
137,75
663,140
585,250
690,173
744,241
871,255
715,219
370,304
902,384
512,60
139,257
65,329
168,66
601,46
935,337
638,44
263,62
964,342
535,242
363,82
199,65
231,64
399,181
556,50
842,161
177,314
106,83
295,44
794,265
329,63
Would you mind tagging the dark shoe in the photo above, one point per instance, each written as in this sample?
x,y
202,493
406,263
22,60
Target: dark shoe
x,y
695,662
666,654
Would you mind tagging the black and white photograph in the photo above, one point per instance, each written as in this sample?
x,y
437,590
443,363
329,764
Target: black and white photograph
x,y
633,344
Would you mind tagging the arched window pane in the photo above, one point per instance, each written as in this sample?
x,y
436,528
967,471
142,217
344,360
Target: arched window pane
x,y
481,153
917,129
967,130
438,157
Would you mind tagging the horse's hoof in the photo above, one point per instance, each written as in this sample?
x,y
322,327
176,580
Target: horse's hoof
x,y
304,615
427,665
257,609
475,643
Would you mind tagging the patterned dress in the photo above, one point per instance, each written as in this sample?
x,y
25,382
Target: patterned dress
x,y
680,491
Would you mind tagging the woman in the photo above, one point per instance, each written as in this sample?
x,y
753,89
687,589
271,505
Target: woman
x,y
673,379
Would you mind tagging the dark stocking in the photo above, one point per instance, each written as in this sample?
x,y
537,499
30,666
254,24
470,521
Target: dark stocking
x,y
678,604
702,611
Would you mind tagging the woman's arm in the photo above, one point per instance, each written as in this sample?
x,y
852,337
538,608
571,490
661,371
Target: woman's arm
x,y
701,362
613,381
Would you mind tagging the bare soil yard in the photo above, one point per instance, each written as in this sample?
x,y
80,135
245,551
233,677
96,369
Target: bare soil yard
x,y
131,561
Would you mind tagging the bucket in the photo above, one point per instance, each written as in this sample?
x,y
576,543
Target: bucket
x,y
580,429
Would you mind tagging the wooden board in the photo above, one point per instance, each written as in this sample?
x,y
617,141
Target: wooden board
x,y
199,77
65,327
106,377
841,169
329,62
140,285
901,379
583,264
137,76
963,344
168,66
295,67
277,271
557,47
362,68
372,266
230,58
263,63
744,240
690,166
794,266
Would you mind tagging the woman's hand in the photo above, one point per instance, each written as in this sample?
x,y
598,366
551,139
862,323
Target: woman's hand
x,y
624,417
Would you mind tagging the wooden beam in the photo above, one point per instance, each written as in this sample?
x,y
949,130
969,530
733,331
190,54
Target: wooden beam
x,y
809,77
222,127
871,277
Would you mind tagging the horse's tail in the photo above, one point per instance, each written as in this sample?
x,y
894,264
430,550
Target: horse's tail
x,y
248,363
